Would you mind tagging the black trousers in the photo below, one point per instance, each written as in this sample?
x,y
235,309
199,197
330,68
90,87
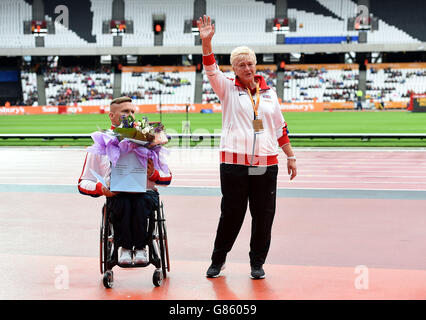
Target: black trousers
x,y
242,185
129,214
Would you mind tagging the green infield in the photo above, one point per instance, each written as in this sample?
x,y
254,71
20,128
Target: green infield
x,y
298,122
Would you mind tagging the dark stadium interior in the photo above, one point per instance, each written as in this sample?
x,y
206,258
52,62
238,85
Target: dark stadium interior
x,y
322,31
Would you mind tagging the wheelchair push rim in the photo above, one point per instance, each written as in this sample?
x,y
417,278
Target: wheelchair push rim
x,y
106,245
164,250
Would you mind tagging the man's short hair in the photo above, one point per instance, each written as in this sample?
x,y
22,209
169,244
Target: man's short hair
x,y
120,100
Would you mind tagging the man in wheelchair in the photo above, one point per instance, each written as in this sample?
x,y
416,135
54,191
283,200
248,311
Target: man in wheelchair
x,y
129,212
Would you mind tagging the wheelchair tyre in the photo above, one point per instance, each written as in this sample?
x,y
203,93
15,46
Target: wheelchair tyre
x,y
106,243
102,253
164,250
157,278
166,247
108,279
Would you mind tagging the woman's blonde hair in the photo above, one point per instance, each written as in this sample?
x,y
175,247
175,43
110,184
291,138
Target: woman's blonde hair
x,y
238,51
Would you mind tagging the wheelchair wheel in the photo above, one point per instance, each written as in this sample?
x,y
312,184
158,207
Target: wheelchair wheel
x,y
164,249
101,242
108,279
106,246
157,277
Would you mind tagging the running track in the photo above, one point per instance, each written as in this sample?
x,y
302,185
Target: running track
x,y
349,213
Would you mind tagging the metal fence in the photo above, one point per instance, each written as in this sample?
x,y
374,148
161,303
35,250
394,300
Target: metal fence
x,y
197,138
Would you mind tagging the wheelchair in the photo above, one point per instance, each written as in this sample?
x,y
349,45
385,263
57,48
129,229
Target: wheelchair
x,y
157,247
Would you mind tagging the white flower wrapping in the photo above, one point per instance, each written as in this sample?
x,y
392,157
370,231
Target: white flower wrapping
x,y
142,132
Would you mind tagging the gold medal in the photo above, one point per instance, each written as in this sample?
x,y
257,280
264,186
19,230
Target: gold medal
x,y
257,125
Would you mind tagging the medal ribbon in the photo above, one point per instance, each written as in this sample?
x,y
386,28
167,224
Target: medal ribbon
x,y
255,106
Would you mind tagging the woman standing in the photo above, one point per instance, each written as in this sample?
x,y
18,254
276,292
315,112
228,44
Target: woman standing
x,y
252,129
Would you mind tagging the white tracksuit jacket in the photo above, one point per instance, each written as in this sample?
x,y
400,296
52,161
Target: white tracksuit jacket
x,y
238,137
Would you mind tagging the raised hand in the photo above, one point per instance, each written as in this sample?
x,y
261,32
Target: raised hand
x,y
205,27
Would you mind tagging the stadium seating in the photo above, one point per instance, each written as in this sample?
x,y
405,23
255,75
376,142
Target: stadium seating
x,y
141,12
318,21
102,11
320,84
143,87
64,38
387,33
209,96
29,88
315,25
394,84
249,29
13,13
79,86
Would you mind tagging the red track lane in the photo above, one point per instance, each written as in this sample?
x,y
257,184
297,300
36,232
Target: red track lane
x,y
391,170
317,244
42,281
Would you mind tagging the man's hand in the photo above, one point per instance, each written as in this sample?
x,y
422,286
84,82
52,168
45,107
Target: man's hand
x,y
150,168
291,168
106,192
205,27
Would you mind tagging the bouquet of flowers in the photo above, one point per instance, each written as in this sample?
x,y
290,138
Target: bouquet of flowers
x,y
144,138
142,132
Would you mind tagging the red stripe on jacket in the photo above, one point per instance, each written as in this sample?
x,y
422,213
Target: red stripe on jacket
x,y
96,192
247,160
157,179
284,139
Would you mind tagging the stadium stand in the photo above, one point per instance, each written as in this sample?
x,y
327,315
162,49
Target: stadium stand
x,y
250,28
102,11
142,12
29,87
141,84
13,13
318,21
79,25
387,33
79,86
310,25
269,72
327,83
63,38
395,82
208,94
